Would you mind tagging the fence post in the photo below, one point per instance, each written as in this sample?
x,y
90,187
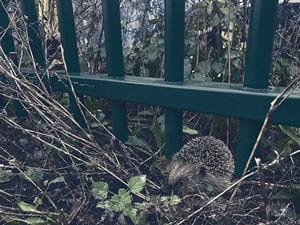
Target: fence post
x,y
258,63
7,44
6,40
115,63
35,38
69,43
35,41
174,70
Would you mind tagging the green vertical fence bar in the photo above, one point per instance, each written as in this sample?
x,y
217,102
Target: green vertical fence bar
x,y
115,63
258,64
6,41
29,9
174,70
35,39
69,43
7,44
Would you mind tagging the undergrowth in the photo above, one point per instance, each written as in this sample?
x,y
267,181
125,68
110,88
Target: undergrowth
x,y
53,171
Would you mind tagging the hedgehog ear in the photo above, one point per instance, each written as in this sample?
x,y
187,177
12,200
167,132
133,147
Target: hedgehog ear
x,y
201,171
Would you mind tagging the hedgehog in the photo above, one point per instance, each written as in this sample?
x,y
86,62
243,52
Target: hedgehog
x,y
204,164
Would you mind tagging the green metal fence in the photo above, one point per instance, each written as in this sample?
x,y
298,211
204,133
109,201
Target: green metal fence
x,y
249,101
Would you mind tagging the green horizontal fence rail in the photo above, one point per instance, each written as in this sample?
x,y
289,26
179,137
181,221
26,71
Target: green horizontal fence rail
x,y
216,98
249,101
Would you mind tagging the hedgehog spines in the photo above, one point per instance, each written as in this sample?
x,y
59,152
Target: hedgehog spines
x,y
204,161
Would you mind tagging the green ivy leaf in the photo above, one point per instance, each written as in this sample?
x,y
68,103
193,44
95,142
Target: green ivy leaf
x,y
137,183
100,190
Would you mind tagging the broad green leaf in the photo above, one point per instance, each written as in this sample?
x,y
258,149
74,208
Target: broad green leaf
x,y
57,180
210,8
139,206
103,205
291,132
100,190
189,131
225,11
37,202
145,113
120,201
172,200
100,115
137,183
35,174
132,213
138,143
158,134
94,125
26,207
34,221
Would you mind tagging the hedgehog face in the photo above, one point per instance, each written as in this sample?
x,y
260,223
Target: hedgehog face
x,y
178,170
181,172
194,178
204,164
